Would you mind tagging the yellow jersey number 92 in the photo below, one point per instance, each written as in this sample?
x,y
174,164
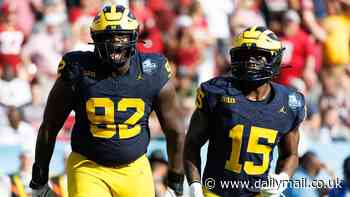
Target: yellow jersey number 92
x,y
108,118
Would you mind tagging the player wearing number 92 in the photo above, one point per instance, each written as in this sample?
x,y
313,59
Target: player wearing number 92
x,y
112,91
244,115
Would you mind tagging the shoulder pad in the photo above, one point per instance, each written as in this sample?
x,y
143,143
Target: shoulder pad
x,y
209,91
216,85
72,63
79,57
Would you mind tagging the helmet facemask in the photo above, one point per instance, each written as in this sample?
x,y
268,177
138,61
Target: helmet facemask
x,y
114,31
254,64
115,48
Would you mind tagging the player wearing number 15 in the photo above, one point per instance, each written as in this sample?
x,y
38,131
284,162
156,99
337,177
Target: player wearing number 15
x,y
112,91
245,116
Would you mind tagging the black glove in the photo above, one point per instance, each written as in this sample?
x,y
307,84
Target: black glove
x,y
175,181
40,177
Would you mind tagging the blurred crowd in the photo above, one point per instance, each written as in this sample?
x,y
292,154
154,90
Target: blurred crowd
x,y
195,36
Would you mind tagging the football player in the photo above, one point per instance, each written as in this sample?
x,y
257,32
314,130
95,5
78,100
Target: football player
x,y
112,91
244,115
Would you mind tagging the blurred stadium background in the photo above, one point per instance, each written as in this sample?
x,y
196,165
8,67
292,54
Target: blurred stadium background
x,y
195,36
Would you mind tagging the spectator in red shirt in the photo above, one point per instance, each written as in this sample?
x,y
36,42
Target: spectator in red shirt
x,y
150,33
157,5
11,39
152,37
298,51
140,10
187,51
163,15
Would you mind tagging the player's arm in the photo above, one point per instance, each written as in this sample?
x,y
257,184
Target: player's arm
x,y
59,105
170,118
288,146
286,164
288,149
288,153
196,137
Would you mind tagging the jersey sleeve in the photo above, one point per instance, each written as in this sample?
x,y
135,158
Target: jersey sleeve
x,y
296,102
68,69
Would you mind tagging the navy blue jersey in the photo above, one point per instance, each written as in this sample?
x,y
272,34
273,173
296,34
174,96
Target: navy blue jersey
x,y
243,133
111,111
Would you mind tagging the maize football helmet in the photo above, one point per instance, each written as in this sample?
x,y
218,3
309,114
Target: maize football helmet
x,y
256,55
112,21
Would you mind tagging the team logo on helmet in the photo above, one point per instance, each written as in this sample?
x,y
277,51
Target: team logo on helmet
x,y
111,21
256,54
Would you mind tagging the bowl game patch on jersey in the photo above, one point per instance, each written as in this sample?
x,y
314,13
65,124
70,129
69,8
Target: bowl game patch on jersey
x,y
149,67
